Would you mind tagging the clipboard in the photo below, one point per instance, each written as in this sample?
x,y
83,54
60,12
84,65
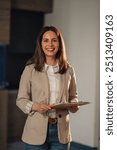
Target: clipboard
x,y
67,105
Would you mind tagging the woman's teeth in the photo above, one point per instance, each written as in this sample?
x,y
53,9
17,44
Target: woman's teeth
x,y
50,49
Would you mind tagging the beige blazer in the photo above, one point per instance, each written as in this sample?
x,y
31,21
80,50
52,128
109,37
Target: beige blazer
x,y
34,86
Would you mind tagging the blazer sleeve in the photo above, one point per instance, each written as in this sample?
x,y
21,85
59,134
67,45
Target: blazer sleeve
x,y
23,100
73,91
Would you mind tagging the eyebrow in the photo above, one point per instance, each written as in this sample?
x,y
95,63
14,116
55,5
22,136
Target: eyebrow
x,y
48,38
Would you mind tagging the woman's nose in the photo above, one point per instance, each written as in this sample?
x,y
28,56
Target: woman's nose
x,y
50,43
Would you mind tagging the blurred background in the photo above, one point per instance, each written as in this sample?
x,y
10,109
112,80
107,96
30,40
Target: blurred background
x,y
20,23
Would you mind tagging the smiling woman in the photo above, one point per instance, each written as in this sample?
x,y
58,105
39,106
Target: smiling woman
x,y
47,79
50,45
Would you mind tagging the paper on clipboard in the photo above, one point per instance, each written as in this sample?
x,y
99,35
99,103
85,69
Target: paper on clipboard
x,y
67,105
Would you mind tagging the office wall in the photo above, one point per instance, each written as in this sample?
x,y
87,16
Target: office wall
x,y
79,22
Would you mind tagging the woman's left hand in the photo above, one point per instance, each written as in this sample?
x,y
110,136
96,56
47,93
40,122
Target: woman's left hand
x,y
74,109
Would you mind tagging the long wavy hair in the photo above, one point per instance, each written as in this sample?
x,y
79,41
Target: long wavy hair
x,y
39,59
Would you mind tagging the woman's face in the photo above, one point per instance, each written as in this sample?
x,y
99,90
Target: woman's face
x,y
50,44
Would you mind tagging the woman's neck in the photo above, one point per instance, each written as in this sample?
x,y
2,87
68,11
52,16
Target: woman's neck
x,y
51,61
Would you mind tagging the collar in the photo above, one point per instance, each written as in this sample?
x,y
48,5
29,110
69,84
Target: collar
x,y
55,67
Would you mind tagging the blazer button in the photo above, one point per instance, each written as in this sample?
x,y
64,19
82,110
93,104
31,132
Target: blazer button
x,y
60,116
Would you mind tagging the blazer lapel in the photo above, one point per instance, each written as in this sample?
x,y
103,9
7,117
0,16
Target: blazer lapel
x,y
61,86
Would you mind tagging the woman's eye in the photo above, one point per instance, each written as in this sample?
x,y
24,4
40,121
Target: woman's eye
x,y
45,40
55,40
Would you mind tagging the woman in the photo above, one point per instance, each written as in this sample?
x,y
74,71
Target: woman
x,y
47,79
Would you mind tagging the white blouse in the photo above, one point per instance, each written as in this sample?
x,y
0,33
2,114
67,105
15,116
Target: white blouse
x,y
54,86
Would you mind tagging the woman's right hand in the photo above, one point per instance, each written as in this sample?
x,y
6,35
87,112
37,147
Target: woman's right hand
x,y
42,108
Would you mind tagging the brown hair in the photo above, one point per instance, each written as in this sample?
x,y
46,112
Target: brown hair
x,y
39,59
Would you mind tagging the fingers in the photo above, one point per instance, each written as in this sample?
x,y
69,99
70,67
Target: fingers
x,y
73,109
42,108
